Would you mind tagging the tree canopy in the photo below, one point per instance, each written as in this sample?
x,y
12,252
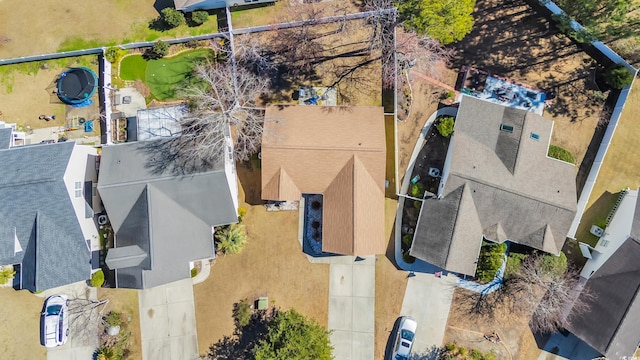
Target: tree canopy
x,y
444,20
292,336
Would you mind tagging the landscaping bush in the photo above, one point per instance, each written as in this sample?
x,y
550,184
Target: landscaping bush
x,y
114,54
231,239
559,153
316,205
417,204
6,274
452,352
199,17
97,278
618,76
241,213
490,260
159,50
194,272
445,126
408,258
553,265
172,17
513,263
113,318
242,313
407,239
417,190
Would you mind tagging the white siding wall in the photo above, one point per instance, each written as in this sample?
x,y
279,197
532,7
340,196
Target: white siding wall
x,y
82,168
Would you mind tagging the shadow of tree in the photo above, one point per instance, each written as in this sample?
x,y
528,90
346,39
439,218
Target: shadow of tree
x,y
430,354
239,346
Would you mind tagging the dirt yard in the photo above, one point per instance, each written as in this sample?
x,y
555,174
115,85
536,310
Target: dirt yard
x,y
126,302
41,26
426,97
272,264
20,325
26,91
467,330
510,39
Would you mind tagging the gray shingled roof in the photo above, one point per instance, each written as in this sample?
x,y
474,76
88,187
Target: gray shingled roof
x,y
35,207
5,138
168,216
516,192
611,324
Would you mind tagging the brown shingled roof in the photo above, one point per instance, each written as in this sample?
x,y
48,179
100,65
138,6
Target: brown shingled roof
x,y
339,152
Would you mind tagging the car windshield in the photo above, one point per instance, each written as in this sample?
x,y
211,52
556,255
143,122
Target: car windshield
x,y
400,357
54,310
406,334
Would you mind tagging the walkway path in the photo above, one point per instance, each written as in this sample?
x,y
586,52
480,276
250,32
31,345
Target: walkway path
x,y
168,322
352,307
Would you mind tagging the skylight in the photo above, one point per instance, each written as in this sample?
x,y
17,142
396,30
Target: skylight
x,y
535,136
506,128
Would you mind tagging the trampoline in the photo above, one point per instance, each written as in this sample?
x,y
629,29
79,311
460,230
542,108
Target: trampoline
x,y
77,85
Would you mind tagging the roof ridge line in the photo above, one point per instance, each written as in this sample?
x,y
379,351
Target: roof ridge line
x,y
455,221
155,180
469,178
329,148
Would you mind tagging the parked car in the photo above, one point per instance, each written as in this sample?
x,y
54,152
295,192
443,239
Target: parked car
x,y
54,321
404,339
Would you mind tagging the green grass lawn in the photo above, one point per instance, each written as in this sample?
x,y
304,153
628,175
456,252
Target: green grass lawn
x,y
133,67
164,75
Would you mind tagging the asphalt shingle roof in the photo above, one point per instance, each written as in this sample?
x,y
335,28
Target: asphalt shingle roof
x,y
511,186
166,215
35,207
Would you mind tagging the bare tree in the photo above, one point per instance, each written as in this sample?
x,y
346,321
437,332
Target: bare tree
x,y
548,296
219,105
85,318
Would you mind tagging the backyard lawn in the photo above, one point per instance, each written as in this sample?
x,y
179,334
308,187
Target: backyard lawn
x,y
25,91
621,168
66,25
19,328
163,76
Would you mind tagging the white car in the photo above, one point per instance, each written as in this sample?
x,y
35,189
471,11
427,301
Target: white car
x,y
404,339
54,321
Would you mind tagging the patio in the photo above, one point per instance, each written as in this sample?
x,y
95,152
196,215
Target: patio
x,y
501,91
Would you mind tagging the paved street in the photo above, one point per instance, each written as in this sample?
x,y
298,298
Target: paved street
x,y
168,322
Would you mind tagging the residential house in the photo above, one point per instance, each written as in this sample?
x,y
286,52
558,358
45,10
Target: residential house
x,y
622,223
10,136
162,220
338,152
46,219
611,324
497,184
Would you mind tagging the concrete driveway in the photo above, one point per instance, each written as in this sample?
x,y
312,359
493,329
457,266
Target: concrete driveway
x,y
352,307
427,299
83,326
168,322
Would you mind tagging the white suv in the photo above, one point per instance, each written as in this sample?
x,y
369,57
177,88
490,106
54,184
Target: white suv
x,y
54,321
